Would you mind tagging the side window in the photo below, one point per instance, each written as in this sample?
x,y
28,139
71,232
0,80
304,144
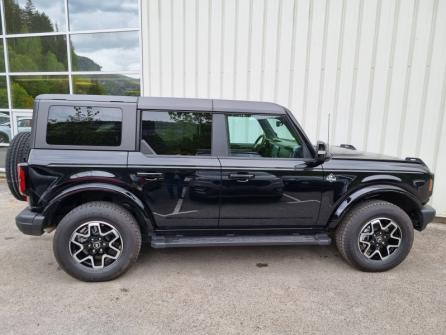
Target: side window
x,y
177,132
263,136
84,125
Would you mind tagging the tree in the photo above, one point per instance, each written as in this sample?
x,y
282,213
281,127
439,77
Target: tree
x,y
20,97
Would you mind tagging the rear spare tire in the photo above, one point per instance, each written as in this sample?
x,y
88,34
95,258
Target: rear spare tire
x,y
18,152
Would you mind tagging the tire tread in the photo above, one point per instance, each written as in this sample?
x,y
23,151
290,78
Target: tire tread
x,y
343,232
18,152
119,212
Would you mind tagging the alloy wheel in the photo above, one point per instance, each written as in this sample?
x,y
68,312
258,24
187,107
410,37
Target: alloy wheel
x,y
96,244
379,238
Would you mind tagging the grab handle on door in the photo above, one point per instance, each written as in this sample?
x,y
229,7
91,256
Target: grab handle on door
x,y
150,176
241,177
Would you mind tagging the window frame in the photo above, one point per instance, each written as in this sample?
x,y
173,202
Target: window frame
x,y
308,152
146,149
128,125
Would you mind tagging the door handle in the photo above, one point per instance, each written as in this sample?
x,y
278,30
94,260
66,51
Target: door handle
x,y
241,177
150,176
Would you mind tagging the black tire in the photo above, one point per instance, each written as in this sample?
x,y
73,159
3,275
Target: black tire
x,y
115,216
348,234
18,152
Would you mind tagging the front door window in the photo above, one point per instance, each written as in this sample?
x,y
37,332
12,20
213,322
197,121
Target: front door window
x,y
263,136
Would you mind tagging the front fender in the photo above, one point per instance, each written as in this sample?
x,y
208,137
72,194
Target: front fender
x,y
142,212
371,191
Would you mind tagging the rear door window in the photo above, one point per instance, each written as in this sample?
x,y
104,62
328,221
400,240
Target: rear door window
x,y
178,132
84,126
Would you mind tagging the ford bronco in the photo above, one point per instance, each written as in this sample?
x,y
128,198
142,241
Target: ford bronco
x,y
109,173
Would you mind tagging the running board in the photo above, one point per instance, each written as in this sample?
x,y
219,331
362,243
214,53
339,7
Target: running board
x,y
180,241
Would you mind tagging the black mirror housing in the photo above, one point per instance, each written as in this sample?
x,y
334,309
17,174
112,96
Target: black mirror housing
x,y
321,151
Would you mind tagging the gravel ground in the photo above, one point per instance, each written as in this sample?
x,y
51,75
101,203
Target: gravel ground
x,y
260,290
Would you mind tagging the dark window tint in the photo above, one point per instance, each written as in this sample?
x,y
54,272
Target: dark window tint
x,y
177,133
263,136
77,125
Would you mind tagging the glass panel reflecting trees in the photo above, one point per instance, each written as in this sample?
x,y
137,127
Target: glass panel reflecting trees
x,y
2,58
26,88
106,51
42,54
40,42
34,16
112,84
3,93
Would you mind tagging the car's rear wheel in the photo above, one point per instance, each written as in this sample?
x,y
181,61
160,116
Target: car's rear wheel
x,y
375,236
97,241
18,152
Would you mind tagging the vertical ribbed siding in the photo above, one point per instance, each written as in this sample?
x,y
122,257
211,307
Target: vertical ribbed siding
x,y
379,67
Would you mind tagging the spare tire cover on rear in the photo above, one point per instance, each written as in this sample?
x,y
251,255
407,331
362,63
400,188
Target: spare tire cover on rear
x,y
18,152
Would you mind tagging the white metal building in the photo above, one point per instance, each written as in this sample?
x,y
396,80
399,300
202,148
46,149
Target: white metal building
x,y
377,66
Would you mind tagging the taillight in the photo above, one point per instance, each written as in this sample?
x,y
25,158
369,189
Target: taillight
x,y
431,185
21,171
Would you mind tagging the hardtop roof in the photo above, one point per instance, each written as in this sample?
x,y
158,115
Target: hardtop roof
x,y
176,103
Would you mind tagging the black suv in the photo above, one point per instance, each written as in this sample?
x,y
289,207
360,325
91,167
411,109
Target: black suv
x,y
112,172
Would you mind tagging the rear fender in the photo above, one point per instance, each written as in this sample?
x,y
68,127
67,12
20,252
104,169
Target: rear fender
x,y
141,212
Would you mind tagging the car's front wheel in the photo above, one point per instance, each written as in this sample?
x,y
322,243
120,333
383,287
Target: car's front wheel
x,y
375,236
97,241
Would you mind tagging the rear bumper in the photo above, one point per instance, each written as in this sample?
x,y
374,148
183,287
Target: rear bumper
x,y
427,216
30,223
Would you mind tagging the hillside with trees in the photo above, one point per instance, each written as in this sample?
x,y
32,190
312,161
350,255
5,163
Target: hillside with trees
x,y
49,54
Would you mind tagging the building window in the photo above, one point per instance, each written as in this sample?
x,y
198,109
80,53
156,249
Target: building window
x,y
64,46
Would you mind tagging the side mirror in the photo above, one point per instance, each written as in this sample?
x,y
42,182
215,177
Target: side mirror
x,y
279,123
321,149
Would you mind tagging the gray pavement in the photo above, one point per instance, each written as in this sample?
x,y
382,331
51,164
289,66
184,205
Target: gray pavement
x,y
257,290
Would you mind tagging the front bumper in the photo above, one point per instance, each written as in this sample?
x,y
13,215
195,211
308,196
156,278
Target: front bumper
x,y
427,216
30,223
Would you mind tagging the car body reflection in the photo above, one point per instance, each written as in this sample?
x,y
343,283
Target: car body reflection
x,y
263,185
